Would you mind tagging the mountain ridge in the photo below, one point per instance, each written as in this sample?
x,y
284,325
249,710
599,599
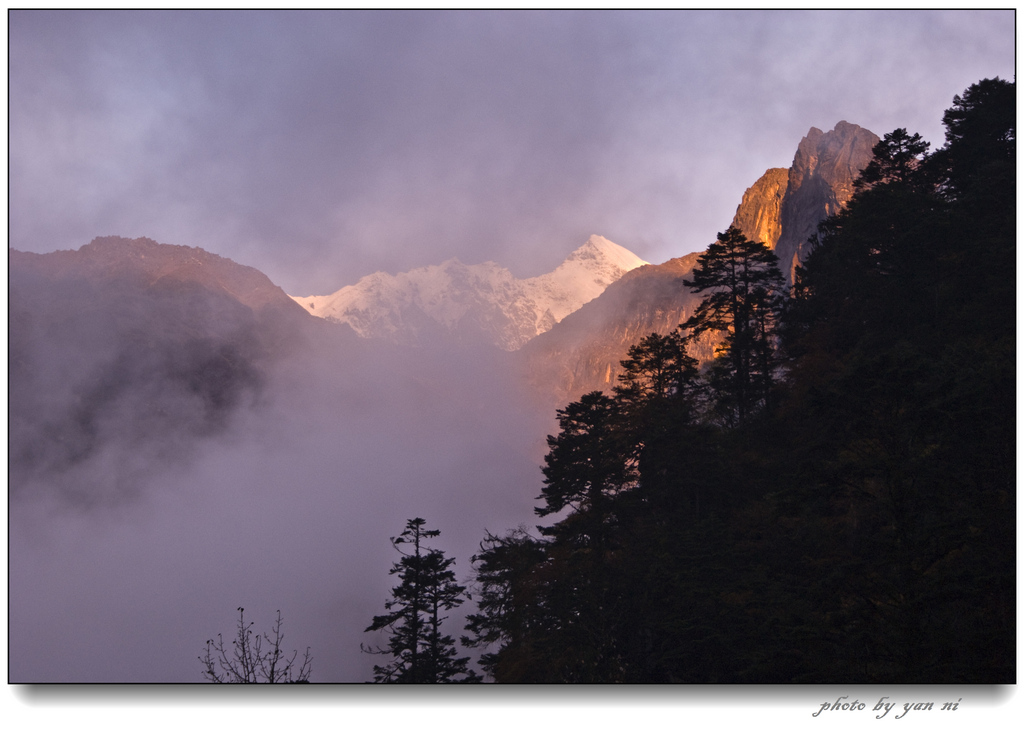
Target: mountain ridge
x,y
473,302
782,209
126,351
572,325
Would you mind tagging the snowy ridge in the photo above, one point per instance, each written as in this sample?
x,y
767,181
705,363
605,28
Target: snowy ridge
x,y
473,302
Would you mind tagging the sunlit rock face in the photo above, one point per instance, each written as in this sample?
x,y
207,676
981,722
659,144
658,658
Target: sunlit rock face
x,y
473,303
759,215
784,207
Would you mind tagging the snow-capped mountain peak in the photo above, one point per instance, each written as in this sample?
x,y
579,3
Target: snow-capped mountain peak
x,y
582,276
473,302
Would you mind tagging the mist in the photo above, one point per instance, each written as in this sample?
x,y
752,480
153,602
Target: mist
x,y
289,506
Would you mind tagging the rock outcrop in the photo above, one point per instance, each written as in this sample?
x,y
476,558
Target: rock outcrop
x,y
759,215
784,207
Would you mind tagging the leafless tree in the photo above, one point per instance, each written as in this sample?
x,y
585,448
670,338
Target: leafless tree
x,y
247,662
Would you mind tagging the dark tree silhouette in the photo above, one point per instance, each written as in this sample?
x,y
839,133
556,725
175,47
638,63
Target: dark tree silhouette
x,y
745,289
981,139
249,661
862,528
420,651
586,463
511,608
896,159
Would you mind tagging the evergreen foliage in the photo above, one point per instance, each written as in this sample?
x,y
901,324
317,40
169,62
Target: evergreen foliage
x,y
895,161
420,651
845,511
745,291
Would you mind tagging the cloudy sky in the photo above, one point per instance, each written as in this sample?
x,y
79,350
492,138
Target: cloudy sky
x,y
322,146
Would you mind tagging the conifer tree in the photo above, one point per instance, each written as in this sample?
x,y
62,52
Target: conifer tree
x,y
895,160
745,290
658,370
512,608
421,652
589,462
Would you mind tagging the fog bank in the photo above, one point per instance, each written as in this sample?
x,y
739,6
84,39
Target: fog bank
x,y
289,508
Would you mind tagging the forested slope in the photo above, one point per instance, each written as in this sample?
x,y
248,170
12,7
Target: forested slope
x,y
833,499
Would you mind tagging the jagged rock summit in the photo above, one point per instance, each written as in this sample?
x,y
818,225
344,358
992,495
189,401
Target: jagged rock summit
x,y
483,302
783,208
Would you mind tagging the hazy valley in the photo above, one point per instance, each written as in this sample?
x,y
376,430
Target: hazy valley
x,y
187,392
184,431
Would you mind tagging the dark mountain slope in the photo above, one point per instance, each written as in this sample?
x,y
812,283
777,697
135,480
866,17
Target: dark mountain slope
x,y
128,350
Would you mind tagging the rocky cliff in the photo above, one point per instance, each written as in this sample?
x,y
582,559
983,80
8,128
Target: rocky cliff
x,y
782,209
759,215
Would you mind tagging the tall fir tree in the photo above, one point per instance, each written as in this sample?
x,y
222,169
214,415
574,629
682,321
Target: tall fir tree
x,y
420,651
745,289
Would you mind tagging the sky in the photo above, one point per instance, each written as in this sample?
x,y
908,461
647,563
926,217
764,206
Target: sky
x,y
320,147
